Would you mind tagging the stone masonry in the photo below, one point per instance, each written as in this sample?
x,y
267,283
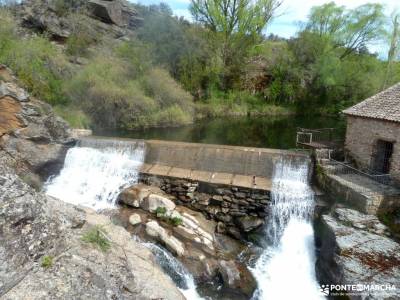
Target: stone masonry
x,y
223,203
362,136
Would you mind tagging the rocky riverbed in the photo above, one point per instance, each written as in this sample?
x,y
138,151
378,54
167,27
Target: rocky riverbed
x,y
211,257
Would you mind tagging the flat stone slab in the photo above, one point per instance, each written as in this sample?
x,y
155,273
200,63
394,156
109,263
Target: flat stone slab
x,y
243,181
221,178
179,172
200,175
160,170
145,168
263,183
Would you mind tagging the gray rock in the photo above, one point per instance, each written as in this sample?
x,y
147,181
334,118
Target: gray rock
x,y
134,195
355,255
237,277
154,230
249,223
33,225
154,201
135,219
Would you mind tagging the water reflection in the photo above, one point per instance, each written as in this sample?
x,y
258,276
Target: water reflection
x,y
270,132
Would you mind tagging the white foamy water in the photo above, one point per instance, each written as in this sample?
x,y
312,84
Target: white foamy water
x,y
174,268
286,269
96,171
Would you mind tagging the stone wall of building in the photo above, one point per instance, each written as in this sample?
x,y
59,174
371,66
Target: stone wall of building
x,y
234,207
362,136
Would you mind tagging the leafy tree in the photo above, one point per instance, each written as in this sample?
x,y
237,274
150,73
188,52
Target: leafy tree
x,y
237,24
394,49
166,36
349,29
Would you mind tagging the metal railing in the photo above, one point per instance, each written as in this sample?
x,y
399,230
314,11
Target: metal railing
x,y
322,136
343,168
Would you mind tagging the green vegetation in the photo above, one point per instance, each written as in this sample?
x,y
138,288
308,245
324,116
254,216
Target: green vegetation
x,y
97,237
161,213
176,221
391,219
172,72
47,261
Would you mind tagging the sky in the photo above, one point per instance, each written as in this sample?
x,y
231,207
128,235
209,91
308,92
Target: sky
x,y
289,14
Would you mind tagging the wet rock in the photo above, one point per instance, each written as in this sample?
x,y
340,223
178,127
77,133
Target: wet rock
x,y
154,201
135,219
354,252
237,277
134,195
154,230
234,232
249,223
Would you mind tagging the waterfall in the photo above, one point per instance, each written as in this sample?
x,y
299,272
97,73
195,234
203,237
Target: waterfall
x,y
96,170
286,269
174,268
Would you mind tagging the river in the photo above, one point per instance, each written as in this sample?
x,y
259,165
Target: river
x,y
95,172
267,132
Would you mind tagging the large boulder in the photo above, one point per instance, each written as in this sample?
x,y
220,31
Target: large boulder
x,y
134,195
113,11
248,223
355,250
237,277
154,201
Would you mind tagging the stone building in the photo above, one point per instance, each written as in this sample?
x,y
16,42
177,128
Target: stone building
x,y
373,132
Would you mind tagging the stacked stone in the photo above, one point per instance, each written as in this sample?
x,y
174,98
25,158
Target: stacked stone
x,y
223,203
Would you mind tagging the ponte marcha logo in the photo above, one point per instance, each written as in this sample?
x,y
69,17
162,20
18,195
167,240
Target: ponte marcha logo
x,y
324,289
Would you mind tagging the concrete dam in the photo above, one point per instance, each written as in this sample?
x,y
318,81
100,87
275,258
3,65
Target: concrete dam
x,y
245,167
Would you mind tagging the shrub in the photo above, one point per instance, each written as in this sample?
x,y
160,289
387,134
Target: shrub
x,y
97,237
82,35
47,261
75,117
166,91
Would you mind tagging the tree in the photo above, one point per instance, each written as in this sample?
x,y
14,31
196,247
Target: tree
x,y
237,24
394,40
351,30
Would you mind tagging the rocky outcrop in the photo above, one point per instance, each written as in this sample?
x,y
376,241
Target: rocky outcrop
x,y
111,17
30,132
43,255
356,249
114,11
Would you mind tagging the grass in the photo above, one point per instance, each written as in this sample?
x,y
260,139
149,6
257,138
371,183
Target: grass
x,y
97,237
47,261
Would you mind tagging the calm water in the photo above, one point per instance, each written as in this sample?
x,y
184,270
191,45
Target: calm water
x,y
269,132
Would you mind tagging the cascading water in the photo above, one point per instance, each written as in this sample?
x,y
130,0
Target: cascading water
x,y
96,170
286,269
178,273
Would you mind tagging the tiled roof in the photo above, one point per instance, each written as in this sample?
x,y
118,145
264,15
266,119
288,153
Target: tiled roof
x,y
384,106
